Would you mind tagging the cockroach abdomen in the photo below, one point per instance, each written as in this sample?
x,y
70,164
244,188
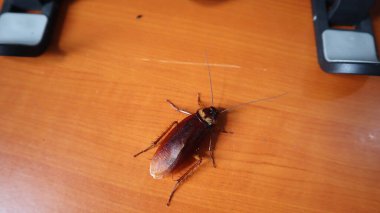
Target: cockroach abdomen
x,y
165,159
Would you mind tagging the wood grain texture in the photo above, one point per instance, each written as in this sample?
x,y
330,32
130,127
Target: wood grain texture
x,y
71,120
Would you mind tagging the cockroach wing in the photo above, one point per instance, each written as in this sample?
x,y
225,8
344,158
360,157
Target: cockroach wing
x,y
180,141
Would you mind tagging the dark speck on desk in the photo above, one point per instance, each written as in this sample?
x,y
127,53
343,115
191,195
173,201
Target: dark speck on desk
x,y
139,16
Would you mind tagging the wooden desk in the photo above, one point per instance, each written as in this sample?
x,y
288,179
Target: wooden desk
x,y
72,119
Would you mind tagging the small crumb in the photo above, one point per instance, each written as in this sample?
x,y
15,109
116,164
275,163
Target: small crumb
x,y
139,16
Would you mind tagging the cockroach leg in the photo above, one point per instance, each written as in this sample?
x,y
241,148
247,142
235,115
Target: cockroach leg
x,y
154,143
200,104
211,150
178,109
183,178
225,131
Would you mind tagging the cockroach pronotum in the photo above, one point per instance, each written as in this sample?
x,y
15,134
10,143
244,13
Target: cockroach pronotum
x,y
185,139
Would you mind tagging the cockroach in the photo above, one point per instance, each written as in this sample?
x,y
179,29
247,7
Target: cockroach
x,y
184,140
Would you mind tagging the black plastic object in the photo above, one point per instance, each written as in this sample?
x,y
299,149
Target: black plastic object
x,y
28,10
344,36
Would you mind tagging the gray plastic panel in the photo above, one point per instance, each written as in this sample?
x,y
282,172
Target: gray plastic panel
x,y
349,46
21,28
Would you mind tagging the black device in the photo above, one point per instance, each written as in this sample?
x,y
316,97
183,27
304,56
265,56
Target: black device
x,y
26,26
344,36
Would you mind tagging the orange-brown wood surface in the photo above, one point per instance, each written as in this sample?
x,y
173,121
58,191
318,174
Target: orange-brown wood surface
x,y
71,119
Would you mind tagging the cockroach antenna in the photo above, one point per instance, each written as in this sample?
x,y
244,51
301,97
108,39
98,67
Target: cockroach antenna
x,y
209,77
251,102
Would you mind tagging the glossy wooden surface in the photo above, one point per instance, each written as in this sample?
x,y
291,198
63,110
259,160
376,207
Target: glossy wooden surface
x,y
71,120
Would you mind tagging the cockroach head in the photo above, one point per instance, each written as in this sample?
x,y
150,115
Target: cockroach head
x,y
209,115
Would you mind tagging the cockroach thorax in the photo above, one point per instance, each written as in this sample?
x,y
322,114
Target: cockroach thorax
x,y
208,115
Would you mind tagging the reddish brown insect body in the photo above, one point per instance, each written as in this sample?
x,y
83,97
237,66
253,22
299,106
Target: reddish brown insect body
x,y
183,140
